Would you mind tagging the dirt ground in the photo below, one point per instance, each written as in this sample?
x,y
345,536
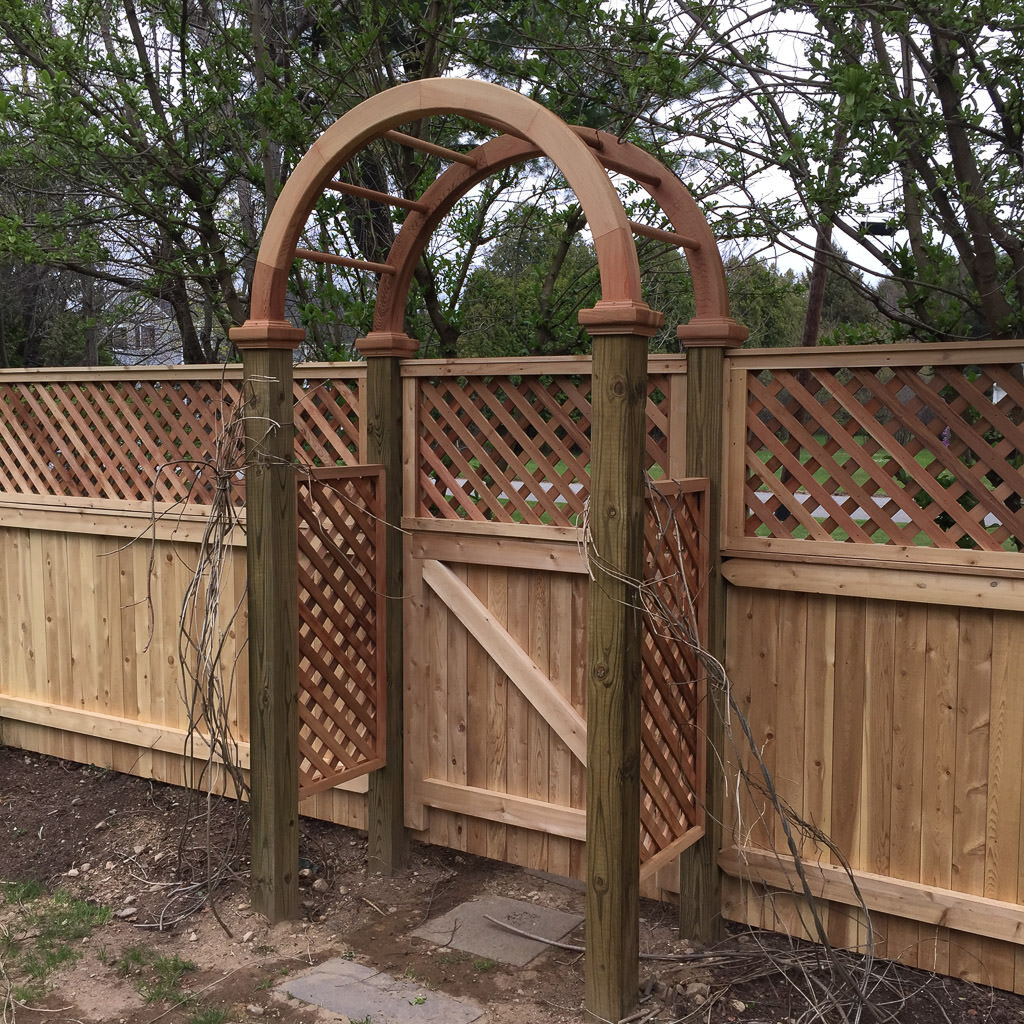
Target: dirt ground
x,y
115,840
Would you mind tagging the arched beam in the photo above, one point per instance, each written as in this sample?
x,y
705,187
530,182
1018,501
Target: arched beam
x,y
483,102
672,196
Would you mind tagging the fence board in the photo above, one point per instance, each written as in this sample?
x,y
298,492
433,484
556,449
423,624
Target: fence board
x,y
925,763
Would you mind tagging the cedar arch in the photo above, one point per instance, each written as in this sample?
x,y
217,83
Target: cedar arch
x,y
528,130
620,324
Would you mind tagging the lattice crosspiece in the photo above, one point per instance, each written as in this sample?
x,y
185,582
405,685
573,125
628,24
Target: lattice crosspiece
x,y
927,456
141,439
675,598
514,449
341,612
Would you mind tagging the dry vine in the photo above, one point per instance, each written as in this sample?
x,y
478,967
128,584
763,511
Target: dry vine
x,y
830,984
205,627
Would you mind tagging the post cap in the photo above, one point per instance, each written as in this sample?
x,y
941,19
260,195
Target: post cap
x,y
712,332
267,334
387,343
609,316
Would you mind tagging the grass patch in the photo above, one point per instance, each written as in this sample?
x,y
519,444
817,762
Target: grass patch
x,y
157,978
211,1015
40,940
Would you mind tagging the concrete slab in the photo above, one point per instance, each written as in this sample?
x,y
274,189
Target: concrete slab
x,y
467,928
365,994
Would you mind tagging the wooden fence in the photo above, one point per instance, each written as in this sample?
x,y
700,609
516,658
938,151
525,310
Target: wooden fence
x,y
495,733
870,543
875,643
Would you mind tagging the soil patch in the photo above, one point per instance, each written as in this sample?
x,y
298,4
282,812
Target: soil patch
x,y
115,841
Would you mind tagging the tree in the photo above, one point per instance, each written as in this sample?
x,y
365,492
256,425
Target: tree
x,y
897,126
152,140
768,302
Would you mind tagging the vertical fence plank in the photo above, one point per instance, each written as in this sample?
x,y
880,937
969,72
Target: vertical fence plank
x,y
970,807
940,763
499,692
435,682
1005,787
455,714
789,684
845,926
559,782
539,766
876,792
910,632
476,713
517,713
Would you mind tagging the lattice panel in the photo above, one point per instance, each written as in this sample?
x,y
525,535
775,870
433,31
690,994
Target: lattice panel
x,y
927,456
112,438
514,449
671,760
327,411
142,440
341,614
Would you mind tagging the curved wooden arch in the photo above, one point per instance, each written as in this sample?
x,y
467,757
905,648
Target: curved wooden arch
x,y
671,195
487,104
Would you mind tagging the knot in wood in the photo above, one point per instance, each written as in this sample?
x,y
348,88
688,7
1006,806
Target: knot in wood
x,y
619,387
601,671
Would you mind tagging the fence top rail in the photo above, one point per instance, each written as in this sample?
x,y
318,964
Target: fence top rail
x,y
909,354
188,372
530,367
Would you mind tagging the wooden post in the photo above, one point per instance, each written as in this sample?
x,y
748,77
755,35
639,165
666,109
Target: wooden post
x,y
271,553
382,411
614,624
700,884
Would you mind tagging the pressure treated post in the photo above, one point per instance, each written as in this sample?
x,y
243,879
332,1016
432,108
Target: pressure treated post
x,y
700,884
619,404
271,553
382,408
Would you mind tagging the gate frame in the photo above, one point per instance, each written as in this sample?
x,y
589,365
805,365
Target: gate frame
x,y
620,324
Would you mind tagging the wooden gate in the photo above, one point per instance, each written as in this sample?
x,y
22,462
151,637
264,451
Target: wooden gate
x,y
341,611
495,686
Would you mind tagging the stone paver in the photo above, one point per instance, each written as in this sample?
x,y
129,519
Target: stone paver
x,y
364,993
467,928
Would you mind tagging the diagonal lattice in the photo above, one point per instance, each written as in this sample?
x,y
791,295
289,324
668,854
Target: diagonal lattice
x,y
125,436
926,455
671,757
514,448
341,610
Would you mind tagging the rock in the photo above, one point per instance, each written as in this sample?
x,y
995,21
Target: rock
x,y
192,937
247,937
320,885
85,867
139,848
256,1011
157,857
125,912
698,988
737,1005
304,872
99,826
109,866
75,801
73,873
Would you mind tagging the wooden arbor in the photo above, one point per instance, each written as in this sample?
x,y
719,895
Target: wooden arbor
x,y
620,324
